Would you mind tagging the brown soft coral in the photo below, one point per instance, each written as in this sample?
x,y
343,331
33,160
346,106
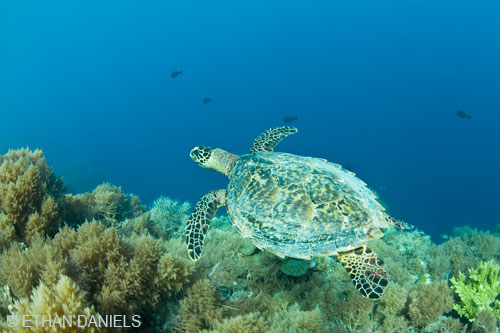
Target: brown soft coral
x,y
7,231
294,319
250,322
127,275
200,309
394,299
106,203
29,196
64,299
109,202
466,249
96,246
356,312
40,262
428,302
124,276
140,279
230,270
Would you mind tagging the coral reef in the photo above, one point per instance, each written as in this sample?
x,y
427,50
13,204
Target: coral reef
x,y
103,253
91,265
121,275
465,249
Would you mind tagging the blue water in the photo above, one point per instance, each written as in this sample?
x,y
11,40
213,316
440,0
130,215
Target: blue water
x,y
375,86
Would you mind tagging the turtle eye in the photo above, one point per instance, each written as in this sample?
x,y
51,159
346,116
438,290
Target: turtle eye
x,y
201,154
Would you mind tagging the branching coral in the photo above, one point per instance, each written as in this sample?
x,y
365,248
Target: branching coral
x,y
479,291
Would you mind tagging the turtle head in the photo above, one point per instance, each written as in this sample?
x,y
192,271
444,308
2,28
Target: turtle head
x,y
213,158
201,155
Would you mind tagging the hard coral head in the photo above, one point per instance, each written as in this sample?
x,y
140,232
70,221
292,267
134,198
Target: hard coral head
x,y
201,155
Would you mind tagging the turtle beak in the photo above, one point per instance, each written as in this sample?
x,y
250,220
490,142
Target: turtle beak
x,y
195,154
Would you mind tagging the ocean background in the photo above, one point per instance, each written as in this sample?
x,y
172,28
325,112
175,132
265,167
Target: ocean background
x,y
375,86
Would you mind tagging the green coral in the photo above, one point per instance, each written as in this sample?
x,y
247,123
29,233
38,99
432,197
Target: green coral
x,y
479,292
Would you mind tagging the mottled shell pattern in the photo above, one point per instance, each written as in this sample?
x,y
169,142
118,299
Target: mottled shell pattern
x,y
301,206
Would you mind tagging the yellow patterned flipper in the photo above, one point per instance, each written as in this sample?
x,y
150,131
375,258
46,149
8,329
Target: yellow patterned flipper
x,y
198,223
270,138
366,270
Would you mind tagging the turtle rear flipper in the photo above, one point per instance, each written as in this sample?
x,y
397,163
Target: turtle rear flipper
x,y
270,138
198,223
366,270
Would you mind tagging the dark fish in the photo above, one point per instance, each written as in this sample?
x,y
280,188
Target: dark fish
x,y
206,100
175,73
463,114
288,119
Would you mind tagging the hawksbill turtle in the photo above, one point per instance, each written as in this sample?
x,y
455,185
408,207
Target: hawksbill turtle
x,y
294,206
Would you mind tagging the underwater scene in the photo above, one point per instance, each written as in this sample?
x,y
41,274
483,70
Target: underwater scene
x,y
250,166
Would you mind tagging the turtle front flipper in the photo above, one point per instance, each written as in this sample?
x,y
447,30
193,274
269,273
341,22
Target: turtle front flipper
x,y
270,138
198,223
366,270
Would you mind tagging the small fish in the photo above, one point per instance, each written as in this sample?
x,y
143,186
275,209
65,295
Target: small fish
x,y
175,74
288,119
206,100
463,114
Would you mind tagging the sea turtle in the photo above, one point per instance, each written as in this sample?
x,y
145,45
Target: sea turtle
x,y
294,206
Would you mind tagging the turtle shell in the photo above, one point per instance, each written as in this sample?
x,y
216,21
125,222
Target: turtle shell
x,y
301,206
